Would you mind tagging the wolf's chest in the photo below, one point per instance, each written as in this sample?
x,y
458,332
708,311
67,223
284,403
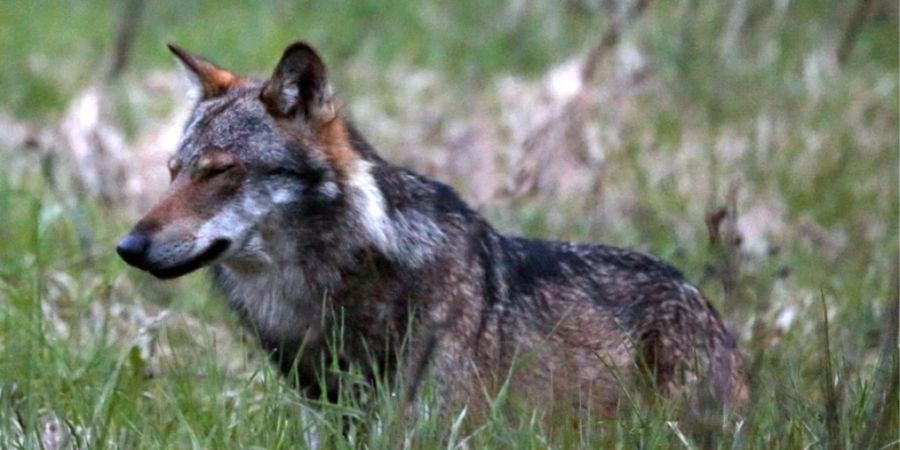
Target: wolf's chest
x,y
277,302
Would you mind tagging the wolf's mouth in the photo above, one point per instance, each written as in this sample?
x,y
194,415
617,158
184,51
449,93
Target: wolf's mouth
x,y
215,250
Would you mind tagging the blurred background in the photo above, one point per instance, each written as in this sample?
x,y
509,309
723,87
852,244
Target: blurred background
x,y
752,143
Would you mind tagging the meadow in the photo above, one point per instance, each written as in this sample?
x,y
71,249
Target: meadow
x,y
753,144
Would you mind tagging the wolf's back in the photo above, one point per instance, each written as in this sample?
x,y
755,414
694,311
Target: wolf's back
x,y
673,333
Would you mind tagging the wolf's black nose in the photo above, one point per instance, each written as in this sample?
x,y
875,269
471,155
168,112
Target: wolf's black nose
x,y
132,247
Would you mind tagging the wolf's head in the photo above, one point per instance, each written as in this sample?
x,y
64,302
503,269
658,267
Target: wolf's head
x,y
256,158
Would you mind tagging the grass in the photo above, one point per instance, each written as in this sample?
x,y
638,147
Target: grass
x,y
469,39
758,117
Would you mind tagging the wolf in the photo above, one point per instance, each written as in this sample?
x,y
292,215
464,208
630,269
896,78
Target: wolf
x,y
310,234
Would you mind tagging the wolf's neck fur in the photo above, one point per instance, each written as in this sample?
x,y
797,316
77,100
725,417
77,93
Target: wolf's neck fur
x,y
282,298
406,235
368,206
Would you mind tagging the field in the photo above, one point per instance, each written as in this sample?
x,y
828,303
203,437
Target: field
x,y
753,144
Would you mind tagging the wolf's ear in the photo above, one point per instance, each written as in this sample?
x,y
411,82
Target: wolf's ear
x,y
207,78
299,86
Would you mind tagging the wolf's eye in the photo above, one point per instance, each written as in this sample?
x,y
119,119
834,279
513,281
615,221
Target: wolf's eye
x,y
215,164
215,161
212,171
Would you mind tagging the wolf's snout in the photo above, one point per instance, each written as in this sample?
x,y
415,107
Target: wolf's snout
x,y
133,247
168,258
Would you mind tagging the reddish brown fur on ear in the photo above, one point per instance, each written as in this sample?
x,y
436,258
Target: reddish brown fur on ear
x,y
298,93
332,138
210,79
338,149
